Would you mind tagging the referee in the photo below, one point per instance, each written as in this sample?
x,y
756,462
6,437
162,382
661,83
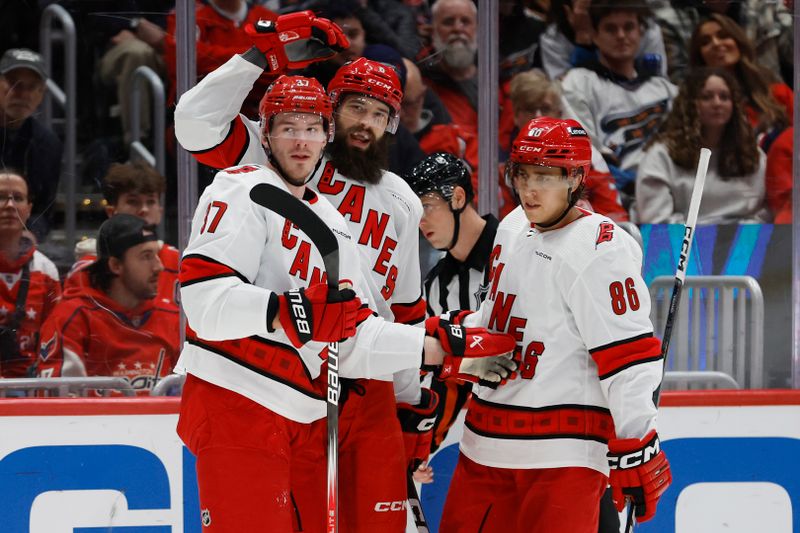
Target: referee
x,y
451,224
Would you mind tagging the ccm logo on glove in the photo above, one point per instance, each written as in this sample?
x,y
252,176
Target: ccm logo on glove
x,y
636,458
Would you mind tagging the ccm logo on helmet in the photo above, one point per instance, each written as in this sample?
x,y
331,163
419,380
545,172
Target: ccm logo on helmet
x,y
636,458
299,312
379,83
385,507
525,148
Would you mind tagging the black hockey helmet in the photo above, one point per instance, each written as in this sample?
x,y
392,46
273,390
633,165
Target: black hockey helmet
x,y
440,172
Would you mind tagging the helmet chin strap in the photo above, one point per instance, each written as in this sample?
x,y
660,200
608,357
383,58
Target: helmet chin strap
x,y
572,199
456,227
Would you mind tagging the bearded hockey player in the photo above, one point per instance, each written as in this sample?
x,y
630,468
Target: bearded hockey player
x,y
537,454
253,409
382,214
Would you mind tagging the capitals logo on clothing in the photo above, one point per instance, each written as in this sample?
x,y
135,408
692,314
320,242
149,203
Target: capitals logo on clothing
x,y
48,348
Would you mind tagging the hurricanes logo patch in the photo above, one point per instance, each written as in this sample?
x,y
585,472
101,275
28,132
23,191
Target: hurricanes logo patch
x,y
205,516
605,232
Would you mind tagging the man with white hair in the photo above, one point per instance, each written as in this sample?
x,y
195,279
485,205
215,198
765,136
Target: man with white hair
x,y
451,71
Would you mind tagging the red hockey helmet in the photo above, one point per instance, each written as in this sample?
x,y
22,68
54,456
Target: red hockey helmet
x,y
296,94
370,78
553,142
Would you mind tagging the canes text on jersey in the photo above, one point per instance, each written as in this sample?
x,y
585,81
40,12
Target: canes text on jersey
x,y
501,319
373,226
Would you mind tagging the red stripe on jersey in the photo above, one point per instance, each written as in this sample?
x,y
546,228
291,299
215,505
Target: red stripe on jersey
x,y
533,423
196,268
228,152
270,359
412,313
618,356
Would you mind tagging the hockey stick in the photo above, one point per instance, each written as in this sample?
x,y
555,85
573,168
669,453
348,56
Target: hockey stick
x,y
284,204
416,504
680,277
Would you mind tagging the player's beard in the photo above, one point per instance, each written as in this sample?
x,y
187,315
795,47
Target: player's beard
x,y
457,52
361,165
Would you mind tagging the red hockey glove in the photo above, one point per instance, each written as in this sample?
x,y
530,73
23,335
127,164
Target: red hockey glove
x,y
417,423
318,314
476,354
296,40
639,471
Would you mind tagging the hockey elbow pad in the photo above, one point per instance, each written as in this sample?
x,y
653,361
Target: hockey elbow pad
x,y
417,422
639,471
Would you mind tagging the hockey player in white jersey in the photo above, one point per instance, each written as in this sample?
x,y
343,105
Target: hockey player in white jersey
x,y
383,215
241,257
537,454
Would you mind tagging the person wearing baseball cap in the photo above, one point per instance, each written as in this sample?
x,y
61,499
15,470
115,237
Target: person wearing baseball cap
x,y
23,58
115,326
26,143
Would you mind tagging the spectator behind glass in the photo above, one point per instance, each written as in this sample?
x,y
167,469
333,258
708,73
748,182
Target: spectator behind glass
x,y
779,177
132,189
426,117
451,71
567,41
391,23
720,42
139,42
533,95
619,105
519,38
220,35
708,112
25,143
768,25
113,325
30,286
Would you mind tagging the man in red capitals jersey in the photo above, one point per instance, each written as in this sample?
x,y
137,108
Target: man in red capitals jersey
x,y
382,213
254,358
29,289
133,189
113,325
566,283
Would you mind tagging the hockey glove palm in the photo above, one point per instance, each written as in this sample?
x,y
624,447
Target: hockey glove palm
x,y
318,314
639,471
296,40
417,423
475,354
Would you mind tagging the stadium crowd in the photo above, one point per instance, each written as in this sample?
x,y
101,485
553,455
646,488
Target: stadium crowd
x,y
650,80
643,83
